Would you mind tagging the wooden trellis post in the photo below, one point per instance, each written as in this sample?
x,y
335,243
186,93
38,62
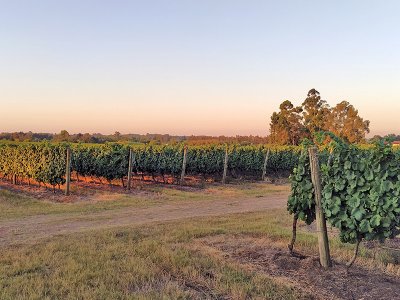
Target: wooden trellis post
x,y
182,181
68,171
225,165
265,165
323,243
130,168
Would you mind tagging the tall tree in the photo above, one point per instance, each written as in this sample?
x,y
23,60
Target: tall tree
x,y
286,127
344,121
315,112
291,124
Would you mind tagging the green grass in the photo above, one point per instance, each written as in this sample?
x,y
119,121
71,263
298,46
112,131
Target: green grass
x,y
16,205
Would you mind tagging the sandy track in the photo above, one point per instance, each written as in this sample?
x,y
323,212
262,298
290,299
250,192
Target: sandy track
x,y
34,228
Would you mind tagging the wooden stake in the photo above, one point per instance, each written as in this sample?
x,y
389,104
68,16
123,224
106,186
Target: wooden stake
x,y
68,172
182,181
265,166
130,168
225,166
323,244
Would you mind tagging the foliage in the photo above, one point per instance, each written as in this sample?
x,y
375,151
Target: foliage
x,y
315,111
45,162
109,161
361,191
291,124
161,159
344,121
286,125
301,200
99,138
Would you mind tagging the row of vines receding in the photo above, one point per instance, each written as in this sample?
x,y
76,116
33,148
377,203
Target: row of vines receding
x,y
45,162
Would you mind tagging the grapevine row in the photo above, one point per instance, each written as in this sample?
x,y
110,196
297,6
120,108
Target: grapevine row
x,y
45,162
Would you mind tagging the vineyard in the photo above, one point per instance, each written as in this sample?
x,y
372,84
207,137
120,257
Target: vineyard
x,y
360,191
46,162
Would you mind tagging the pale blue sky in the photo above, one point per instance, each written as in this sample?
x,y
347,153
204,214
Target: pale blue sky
x,y
193,67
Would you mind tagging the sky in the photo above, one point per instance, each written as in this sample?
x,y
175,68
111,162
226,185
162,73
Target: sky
x,y
210,67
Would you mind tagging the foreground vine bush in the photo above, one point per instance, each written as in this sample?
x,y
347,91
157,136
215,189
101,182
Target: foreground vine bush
x,y
361,191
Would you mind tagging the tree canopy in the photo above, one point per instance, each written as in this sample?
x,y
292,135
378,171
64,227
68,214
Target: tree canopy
x,y
293,123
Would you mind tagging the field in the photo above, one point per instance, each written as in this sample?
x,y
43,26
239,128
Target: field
x,y
169,242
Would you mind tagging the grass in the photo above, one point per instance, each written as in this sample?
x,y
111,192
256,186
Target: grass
x,y
154,262
17,205
158,261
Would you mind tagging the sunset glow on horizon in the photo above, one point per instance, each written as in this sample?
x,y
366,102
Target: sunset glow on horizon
x,y
201,68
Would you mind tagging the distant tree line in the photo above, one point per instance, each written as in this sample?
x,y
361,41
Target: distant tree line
x,y
98,138
291,123
26,136
392,137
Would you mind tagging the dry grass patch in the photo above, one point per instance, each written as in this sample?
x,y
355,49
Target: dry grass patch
x,y
304,273
241,256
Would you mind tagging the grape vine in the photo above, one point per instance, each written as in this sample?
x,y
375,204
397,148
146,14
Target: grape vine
x,y
45,162
361,190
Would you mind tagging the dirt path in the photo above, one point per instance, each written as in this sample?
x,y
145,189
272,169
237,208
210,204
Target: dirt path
x,y
34,228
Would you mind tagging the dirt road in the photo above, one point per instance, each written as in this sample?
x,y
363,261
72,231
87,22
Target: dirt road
x,y
34,228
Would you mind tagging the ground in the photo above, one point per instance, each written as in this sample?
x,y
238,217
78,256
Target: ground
x,y
163,242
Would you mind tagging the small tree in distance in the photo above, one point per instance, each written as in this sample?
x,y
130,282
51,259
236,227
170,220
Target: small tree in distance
x,y
63,136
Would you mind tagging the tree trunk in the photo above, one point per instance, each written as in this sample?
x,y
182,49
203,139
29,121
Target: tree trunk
x,y
353,259
294,232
